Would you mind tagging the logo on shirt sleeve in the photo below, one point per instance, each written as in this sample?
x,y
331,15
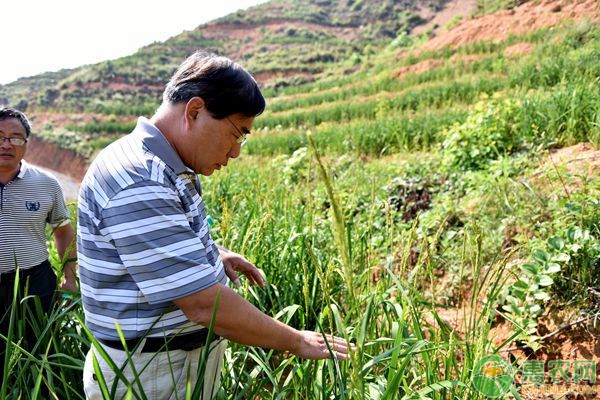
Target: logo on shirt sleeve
x,y
32,205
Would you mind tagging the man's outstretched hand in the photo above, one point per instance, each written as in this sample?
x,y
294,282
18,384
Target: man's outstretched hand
x,y
305,344
312,346
234,263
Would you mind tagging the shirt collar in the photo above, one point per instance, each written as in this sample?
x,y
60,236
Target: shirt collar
x,y
22,169
23,166
154,140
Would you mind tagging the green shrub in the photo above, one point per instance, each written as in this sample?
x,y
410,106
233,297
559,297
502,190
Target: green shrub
x,y
490,131
563,267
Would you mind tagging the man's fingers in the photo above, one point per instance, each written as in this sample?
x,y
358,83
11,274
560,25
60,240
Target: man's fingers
x,y
255,277
337,346
334,340
233,276
316,346
252,273
241,265
342,356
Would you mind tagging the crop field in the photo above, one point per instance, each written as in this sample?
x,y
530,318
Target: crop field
x,y
426,216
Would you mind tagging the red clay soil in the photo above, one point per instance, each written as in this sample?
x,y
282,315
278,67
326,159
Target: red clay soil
x,y
429,64
574,164
580,159
528,17
51,156
565,341
420,67
577,342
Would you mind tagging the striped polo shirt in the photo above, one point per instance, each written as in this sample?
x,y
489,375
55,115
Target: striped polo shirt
x,y
143,238
27,203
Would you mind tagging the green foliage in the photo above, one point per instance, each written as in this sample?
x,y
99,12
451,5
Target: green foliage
x,y
294,168
103,127
489,132
433,96
567,115
54,362
491,6
529,292
386,135
577,239
402,40
563,267
454,21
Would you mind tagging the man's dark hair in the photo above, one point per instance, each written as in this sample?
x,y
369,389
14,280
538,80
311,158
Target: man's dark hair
x,y
8,112
225,86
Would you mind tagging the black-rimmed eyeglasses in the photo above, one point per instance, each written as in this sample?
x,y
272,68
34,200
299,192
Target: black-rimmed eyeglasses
x,y
15,141
243,135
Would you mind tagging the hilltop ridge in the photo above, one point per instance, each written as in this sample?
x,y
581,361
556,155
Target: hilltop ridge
x,y
282,42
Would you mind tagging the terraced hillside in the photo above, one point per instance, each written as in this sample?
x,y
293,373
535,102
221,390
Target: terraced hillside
x,y
434,201
282,42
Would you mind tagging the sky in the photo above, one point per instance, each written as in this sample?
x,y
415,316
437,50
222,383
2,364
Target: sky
x,y
48,35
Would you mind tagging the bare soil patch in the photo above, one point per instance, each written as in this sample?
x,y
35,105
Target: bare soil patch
x,y
580,159
572,166
577,342
430,64
419,67
525,18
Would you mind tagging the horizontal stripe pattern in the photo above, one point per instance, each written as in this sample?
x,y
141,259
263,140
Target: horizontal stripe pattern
x,y
31,200
143,238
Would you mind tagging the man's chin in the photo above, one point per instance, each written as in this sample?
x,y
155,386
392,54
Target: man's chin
x,y
206,171
8,165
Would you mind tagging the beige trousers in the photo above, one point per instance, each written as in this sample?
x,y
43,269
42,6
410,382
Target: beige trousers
x,y
163,375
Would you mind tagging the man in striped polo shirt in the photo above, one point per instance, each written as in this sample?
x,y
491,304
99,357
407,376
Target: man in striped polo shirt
x,y
29,199
147,261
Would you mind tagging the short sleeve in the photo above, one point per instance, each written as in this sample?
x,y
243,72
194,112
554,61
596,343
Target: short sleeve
x,y
150,230
59,213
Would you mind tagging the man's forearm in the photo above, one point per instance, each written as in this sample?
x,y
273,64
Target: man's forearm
x,y
64,238
238,320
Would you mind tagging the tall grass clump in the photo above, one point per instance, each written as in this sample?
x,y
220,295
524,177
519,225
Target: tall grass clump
x,y
567,115
51,366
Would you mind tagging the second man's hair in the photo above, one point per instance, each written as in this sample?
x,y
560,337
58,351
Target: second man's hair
x,y
8,112
225,86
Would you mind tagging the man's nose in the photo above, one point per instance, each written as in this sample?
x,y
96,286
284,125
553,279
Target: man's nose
x,y
235,151
5,143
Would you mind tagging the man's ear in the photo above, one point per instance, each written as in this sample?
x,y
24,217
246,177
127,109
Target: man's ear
x,y
192,109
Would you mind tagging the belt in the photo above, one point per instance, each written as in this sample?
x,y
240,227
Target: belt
x,y
23,273
187,342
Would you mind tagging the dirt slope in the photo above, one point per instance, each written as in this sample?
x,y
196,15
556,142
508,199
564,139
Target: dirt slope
x,y
528,17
